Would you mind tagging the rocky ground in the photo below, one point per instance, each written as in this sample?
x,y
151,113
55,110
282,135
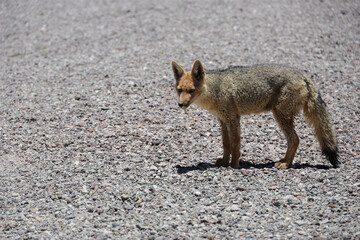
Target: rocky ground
x,y
93,145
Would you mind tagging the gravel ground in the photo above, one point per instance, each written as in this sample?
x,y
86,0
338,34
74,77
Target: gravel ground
x,y
93,145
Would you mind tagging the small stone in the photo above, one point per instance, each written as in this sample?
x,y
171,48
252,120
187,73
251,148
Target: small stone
x,y
128,207
240,189
84,189
14,194
155,143
276,203
34,210
125,197
197,193
153,168
273,187
234,208
302,232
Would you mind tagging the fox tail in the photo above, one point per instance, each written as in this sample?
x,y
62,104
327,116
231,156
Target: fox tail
x,y
316,113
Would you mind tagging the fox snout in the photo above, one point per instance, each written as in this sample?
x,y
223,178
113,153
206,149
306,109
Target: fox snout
x,y
185,99
183,105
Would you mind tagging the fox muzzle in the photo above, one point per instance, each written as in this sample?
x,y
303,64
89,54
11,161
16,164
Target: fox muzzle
x,y
183,105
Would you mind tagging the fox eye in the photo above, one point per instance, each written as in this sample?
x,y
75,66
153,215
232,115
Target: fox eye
x,y
191,91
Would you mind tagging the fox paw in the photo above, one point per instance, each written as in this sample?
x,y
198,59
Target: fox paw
x,y
282,164
222,162
235,165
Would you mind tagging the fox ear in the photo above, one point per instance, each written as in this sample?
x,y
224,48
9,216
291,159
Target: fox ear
x,y
178,70
198,70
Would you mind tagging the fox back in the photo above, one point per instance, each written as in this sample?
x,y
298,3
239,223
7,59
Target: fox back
x,y
253,89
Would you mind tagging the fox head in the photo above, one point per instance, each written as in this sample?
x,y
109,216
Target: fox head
x,y
188,84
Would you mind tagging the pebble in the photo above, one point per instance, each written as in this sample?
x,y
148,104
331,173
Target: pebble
x,y
234,208
153,168
197,193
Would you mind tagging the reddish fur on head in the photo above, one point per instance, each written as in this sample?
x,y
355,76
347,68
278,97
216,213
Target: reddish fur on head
x,y
188,84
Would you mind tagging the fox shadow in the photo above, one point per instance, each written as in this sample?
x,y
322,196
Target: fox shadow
x,y
245,165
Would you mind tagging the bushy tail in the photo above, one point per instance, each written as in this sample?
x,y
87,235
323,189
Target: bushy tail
x,y
318,116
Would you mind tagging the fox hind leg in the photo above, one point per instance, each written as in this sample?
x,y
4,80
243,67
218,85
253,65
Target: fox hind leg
x,y
287,126
224,161
234,135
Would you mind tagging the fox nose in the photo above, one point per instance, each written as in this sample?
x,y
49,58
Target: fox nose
x,y
181,104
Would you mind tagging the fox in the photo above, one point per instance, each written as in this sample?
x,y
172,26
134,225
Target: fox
x,y
230,93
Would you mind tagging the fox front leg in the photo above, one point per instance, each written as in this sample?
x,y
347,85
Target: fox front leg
x,y
224,161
